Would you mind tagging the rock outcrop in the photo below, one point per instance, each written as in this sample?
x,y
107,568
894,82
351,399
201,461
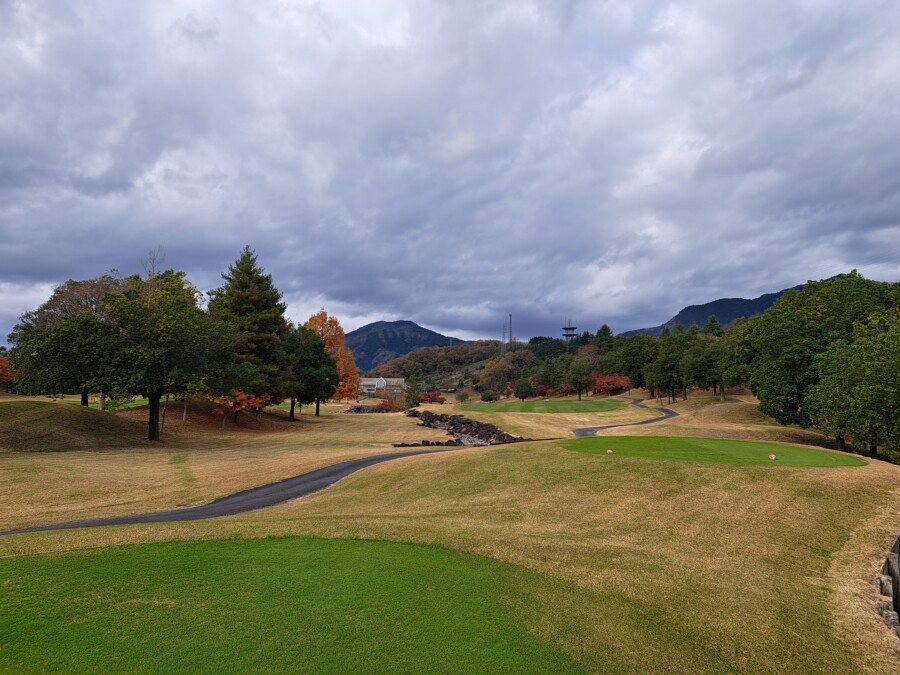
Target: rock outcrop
x,y
464,430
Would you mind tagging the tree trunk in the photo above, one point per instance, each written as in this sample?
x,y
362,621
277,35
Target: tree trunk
x,y
84,397
840,442
101,403
579,394
162,425
317,407
722,392
293,403
153,404
873,449
184,412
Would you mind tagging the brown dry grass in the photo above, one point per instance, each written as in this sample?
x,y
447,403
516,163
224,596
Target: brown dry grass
x,y
555,425
197,462
771,568
705,416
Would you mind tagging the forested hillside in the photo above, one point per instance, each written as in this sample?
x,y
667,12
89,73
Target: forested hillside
x,y
439,363
379,342
726,310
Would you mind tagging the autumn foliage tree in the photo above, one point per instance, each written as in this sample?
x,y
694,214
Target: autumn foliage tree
x,y
236,402
607,384
7,374
329,329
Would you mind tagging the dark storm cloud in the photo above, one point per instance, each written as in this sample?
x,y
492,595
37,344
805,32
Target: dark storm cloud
x,y
450,163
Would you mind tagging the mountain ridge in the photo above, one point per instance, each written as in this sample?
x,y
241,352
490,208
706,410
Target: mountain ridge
x,y
726,310
381,341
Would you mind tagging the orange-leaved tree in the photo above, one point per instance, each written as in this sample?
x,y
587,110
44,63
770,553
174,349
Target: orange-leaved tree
x,y
7,374
238,401
329,329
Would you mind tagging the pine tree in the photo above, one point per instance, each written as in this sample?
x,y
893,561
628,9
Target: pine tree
x,y
712,326
251,305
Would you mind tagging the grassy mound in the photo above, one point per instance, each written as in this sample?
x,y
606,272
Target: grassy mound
x,y
711,450
28,426
286,604
561,406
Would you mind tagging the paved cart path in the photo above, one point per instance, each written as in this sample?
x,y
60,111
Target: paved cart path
x,y
259,497
271,494
666,414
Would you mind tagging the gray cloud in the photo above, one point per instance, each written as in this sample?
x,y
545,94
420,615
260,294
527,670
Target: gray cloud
x,y
448,163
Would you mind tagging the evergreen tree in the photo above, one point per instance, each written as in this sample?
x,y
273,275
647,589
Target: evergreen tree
x,y
411,398
603,340
786,340
329,329
314,373
579,376
523,388
59,346
712,326
251,306
163,342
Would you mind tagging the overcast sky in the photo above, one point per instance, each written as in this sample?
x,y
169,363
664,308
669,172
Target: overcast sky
x,y
451,162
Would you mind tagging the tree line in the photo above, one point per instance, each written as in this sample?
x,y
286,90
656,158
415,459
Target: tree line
x,y
826,356
152,336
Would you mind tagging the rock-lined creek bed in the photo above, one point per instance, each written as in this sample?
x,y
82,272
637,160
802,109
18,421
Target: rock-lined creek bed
x,y
464,430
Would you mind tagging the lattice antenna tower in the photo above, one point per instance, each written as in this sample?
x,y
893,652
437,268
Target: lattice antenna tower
x,y
510,332
569,331
503,340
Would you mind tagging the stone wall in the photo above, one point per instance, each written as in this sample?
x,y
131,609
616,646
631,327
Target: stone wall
x,y
889,587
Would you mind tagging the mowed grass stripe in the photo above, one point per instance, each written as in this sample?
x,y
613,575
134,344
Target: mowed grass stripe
x,y
287,604
561,406
713,450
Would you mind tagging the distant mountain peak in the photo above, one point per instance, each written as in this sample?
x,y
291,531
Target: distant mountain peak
x,y
381,341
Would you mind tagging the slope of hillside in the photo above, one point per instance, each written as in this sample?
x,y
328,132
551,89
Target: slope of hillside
x,y
441,362
725,310
379,342
39,426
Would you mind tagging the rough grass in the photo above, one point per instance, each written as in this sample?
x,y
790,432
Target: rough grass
x,y
549,406
198,461
35,426
676,566
712,450
272,605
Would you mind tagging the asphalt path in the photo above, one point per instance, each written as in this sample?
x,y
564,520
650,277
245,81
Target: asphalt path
x,y
666,414
271,494
259,497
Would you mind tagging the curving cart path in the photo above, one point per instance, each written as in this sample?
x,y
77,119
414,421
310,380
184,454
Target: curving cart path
x,y
271,494
258,497
666,414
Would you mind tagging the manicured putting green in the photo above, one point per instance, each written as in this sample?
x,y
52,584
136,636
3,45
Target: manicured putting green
x,y
718,451
287,604
563,406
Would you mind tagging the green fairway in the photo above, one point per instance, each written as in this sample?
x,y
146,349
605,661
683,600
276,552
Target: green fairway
x,y
287,604
561,406
711,450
